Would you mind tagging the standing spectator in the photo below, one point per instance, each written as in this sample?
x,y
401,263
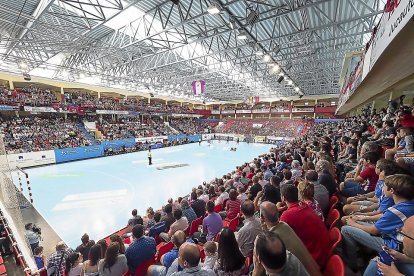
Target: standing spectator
x,y
271,256
230,260
56,261
90,266
299,216
114,264
31,236
188,211
168,217
39,258
212,224
141,250
85,246
198,205
251,228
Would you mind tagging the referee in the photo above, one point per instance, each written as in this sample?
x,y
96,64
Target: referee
x,y
149,157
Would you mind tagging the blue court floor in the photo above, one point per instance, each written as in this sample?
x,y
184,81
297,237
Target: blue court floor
x,y
96,196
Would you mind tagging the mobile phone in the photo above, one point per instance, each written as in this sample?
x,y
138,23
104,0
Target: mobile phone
x,y
385,258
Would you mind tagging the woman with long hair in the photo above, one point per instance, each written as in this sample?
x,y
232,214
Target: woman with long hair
x,y
90,267
74,264
114,264
230,261
117,238
104,246
307,193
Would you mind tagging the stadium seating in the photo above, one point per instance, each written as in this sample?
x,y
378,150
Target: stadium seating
x,y
332,218
335,267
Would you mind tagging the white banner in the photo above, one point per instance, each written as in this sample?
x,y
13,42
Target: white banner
x,y
303,109
390,25
151,139
262,110
243,111
215,112
207,137
228,111
117,112
31,159
39,109
257,125
280,110
186,115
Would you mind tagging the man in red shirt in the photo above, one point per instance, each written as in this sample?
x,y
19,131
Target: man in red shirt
x,y
306,224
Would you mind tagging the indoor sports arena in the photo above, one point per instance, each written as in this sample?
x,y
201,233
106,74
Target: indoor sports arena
x,y
206,137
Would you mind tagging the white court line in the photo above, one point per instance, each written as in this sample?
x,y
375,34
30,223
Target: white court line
x,y
172,150
95,195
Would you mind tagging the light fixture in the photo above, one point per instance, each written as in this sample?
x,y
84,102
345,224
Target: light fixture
x,y
297,89
275,68
259,52
266,58
290,82
81,75
213,9
23,65
280,79
242,35
281,74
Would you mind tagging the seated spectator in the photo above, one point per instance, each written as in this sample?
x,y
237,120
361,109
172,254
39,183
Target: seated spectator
x,y
230,260
210,249
272,258
251,227
401,188
158,227
232,205
404,143
287,178
117,238
168,218
296,170
74,264
136,219
141,250
212,223
181,223
189,260
403,263
306,193
188,211
150,218
364,180
270,222
115,264
104,247
201,195
255,188
85,246
241,194
321,194
168,258
223,195
325,178
55,262
198,205
90,266
298,216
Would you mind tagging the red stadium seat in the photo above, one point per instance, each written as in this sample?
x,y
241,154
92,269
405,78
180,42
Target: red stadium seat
x,y
217,237
194,225
332,218
141,270
3,270
333,201
335,237
335,267
218,208
187,231
232,224
162,249
248,262
202,253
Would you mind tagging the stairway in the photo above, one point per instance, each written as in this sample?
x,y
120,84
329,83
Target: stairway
x,y
86,133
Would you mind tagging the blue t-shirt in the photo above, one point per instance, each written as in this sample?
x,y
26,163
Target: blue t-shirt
x,y
170,257
378,189
402,143
157,229
391,221
385,202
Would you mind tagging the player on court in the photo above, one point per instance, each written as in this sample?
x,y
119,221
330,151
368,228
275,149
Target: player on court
x,y
149,156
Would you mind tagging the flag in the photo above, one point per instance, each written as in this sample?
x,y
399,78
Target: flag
x,y
198,87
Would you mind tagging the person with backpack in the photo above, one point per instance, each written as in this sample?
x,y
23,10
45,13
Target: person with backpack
x,y
56,261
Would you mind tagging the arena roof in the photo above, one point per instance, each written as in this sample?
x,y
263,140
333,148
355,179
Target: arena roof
x,y
155,45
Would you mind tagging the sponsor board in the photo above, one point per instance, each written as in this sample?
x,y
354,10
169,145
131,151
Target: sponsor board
x,y
31,159
243,111
71,154
39,109
113,112
151,139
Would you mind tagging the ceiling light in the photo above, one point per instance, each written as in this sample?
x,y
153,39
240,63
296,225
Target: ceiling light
x,y
281,74
290,82
259,52
297,89
275,68
266,58
242,34
23,65
213,9
81,75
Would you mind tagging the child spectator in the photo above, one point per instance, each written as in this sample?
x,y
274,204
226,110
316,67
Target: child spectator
x,y
210,249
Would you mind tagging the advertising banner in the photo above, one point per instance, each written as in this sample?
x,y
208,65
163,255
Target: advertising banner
x,y
151,139
194,138
260,139
391,24
243,111
215,112
228,111
38,109
8,107
303,109
112,112
262,110
157,146
71,154
31,159
207,137
280,110
118,144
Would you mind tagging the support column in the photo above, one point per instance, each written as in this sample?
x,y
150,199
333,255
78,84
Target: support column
x,y
149,100
99,95
181,103
314,109
372,106
290,109
62,96
11,85
390,98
